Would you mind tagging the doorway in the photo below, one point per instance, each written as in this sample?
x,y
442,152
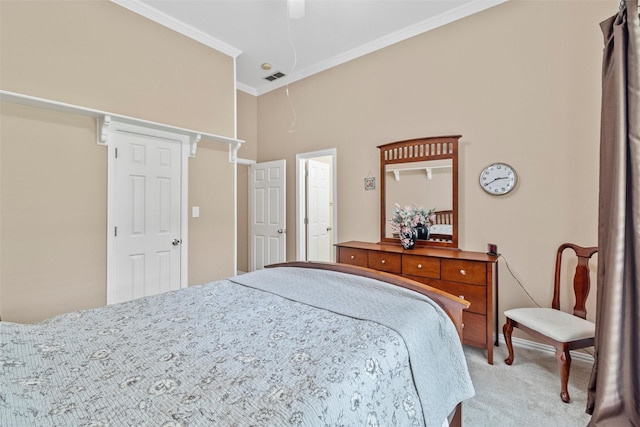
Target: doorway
x,y
316,207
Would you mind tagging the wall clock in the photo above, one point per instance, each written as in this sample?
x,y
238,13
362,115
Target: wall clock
x,y
498,179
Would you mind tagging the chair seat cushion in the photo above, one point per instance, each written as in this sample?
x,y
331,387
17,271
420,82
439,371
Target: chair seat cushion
x,y
555,324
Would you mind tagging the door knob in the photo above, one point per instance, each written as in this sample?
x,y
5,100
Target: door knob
x,y
176,242
282,231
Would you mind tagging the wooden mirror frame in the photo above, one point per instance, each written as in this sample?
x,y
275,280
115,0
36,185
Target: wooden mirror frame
x,y
420,150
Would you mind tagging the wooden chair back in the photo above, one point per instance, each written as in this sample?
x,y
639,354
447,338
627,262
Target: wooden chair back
x,y
581,278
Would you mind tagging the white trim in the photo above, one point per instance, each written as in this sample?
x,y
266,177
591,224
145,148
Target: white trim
x,y
301,247
545,348
466,9
185,150
233,157
178,26
235,218
246,88
184,217
105,120
111,177
448,17
245,162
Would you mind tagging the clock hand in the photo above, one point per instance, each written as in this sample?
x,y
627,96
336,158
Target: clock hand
x,y
496,179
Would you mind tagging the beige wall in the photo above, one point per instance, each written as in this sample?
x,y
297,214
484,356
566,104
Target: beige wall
x,y
54,214
53,175
520,82
211,236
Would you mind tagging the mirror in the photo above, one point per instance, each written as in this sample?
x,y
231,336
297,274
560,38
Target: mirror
x,y
423,172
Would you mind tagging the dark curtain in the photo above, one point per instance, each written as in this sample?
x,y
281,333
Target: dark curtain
x,y
614,388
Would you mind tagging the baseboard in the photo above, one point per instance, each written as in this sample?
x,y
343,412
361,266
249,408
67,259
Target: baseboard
x,y
241,272
545,348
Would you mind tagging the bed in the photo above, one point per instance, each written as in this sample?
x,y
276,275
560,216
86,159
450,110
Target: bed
x,y
298,344
442,228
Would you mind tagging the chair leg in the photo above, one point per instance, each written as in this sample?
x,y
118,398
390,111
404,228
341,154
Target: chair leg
x,y
564,363
507,329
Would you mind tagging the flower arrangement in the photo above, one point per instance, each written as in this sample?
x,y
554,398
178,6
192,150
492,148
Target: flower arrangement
x,y
404,219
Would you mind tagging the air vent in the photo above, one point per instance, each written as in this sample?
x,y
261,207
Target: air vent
x,y
275,76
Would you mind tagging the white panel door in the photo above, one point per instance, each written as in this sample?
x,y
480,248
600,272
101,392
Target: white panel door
x,y
147,216
267,208
318,211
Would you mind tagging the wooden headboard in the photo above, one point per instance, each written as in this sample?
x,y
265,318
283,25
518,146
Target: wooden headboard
x,y
444,217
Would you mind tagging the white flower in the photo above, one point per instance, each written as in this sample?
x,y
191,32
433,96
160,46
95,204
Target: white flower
x,y
372,420
101,354
131,381
403,219
300,356
409,406
163,386
371,366
356,399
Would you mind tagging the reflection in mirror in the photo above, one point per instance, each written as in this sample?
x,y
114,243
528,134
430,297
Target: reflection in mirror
x,y
427,184
424,172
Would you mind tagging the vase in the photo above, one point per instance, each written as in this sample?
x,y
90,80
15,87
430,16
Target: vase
x,y
408,238
423,231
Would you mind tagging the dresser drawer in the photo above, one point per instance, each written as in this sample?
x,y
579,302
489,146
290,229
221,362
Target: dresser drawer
x,y
474,331
422,266
352,256
385,261
475,294
474,272
470,275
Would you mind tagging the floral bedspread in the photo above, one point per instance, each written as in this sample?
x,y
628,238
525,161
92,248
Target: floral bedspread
x,y
219,354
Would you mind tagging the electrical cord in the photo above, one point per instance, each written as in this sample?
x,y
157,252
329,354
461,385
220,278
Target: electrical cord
x,y
531,298
293,67
519,283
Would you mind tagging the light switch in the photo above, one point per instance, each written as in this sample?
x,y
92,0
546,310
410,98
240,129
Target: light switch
x,y
195,212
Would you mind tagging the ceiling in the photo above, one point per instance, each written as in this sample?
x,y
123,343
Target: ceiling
x,y
329,33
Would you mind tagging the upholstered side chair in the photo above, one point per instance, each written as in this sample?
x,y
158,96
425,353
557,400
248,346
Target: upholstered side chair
x,y
565,331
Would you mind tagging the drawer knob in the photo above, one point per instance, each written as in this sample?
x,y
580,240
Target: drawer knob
x,y
383,261
463,326
461,296
419,265
353,257
464,273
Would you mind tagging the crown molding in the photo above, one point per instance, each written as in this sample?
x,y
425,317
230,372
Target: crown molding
x,y
448,17
430,24
246,88
177,26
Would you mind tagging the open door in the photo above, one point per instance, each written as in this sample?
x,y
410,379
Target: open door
x,y
316,205
267,214
318,211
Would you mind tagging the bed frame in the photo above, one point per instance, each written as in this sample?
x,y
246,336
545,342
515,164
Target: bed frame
x,y
451,304
442,217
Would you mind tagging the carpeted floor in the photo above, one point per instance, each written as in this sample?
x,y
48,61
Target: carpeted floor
x,y
525,394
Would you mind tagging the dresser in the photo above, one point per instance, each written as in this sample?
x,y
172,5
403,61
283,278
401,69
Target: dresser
x,y
469,275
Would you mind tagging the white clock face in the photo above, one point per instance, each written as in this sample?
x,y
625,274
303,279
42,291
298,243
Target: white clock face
x,y
498,179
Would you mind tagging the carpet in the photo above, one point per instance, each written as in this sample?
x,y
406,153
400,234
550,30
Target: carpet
x,y
525,394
